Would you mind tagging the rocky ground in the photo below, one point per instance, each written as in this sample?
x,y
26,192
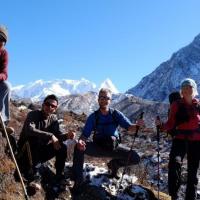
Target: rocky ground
x,y
145,174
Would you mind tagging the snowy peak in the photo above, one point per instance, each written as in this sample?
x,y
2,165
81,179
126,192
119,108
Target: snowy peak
x,y
108,84
39,89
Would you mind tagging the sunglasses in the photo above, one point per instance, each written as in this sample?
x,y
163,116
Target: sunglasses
x,y
50,105
2,39
104,98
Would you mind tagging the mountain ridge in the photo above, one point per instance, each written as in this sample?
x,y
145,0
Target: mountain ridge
x,y
38,89
166,78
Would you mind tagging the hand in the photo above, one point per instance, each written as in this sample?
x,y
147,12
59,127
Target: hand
x,y
81,145
140,123
71,135
158,122
56,143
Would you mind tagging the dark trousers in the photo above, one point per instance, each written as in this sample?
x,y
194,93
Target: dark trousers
x,y
178,151
43,153
119,155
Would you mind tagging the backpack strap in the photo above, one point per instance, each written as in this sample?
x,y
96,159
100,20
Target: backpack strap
x,y
114,117
96,115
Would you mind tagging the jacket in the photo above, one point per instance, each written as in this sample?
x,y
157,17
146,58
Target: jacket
x,y
188,129
40,129
3,65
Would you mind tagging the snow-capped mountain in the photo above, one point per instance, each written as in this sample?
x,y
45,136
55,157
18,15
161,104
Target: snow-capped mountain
x,y
185,63
39,89
108,84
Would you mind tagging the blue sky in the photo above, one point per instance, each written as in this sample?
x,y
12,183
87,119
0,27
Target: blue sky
x,y
124,40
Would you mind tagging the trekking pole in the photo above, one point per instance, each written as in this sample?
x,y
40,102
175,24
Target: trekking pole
x,y
129,155
13,157
158,155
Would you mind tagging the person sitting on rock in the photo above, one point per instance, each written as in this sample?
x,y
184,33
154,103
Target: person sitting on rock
x,y
4,85
42,139
104,123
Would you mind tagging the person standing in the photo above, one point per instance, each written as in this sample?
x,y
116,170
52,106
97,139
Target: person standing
x,y
4,85
184,120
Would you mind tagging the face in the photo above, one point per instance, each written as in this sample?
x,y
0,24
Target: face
x,y
49,106
187,91
104,99
2,44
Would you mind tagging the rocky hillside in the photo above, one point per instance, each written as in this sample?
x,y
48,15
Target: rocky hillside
x,y
9,188
145,145
167,76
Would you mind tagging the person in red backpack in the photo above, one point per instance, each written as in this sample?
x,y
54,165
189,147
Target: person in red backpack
x,y
184,119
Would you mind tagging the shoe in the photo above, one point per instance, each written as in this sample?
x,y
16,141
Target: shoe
x,y
9,130
113,168
61,180
60,183
33,187
79,186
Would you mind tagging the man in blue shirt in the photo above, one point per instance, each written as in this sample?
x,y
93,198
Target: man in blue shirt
x,y
103,124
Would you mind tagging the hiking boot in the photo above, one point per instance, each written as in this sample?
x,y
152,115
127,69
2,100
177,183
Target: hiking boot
x,y
33,187
9,130
113,169
60,183
79,186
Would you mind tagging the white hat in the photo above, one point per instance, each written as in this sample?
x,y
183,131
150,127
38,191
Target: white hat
x,y
188,82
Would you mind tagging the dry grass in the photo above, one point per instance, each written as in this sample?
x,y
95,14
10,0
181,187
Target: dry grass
x,y
6,166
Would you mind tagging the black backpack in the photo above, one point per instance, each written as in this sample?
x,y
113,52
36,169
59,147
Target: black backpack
x,y
174,96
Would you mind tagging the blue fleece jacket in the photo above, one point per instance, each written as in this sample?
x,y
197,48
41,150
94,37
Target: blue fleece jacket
x,y
106,125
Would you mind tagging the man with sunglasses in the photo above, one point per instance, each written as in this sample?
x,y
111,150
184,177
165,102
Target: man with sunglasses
x,y
42,138
103,123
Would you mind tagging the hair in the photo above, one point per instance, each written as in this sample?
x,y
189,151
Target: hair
x,y
105,90
52,97
194,92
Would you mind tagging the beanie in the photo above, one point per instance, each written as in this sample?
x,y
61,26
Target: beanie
x,y
188,82
3,33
